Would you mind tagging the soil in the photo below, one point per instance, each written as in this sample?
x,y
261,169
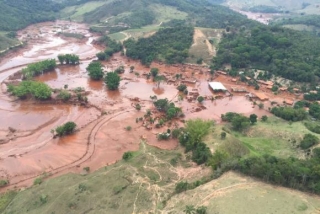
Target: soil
x,y
27,147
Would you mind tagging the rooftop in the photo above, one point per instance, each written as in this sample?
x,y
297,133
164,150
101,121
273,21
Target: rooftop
x,y
217,86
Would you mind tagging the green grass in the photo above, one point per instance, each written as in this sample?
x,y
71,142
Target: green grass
x,y
233,193
76,12
167,13
117,36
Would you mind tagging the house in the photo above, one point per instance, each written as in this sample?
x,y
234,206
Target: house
x,y
217,86
261,96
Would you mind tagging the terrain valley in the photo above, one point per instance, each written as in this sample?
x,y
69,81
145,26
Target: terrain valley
x,y
159,106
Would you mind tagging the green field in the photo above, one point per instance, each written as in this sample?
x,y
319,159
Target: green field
x,y
6,42
76,12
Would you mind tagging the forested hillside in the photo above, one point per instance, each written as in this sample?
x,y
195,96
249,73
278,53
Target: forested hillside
x,y
290,54
175,49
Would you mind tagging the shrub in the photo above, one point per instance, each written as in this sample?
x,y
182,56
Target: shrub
x,y
181,187
128,128
308,141
127,156
4,183
138,107
200,99
163,136
182,87
264,118
66,129
223,135
64,95
37,181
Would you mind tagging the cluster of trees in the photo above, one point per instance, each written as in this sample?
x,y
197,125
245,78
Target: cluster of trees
x,y
68,59
138,18
66,129
238,121
291,172
38,68
190,209
309,20
191,138
314,108
289,113
264,9
38,90
171,111
284,52
312,96
308,141
169,44
112,47
111,79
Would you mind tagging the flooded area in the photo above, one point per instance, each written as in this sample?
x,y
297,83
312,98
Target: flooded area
x,y
27,146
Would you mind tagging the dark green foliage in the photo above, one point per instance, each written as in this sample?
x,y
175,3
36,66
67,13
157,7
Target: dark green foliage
x,y
200,99
240,123
17,14
112,46
174,50
170,109
181,187
127,156
162,104
154,72
191,139
288,113
66,129
301,104
313,127
312,96
314,110
112,80
101,56
182,87
264,9
316,153
95,70
281,51
228,117
253,118
176,133
201,154
308,141
35,69
201,210
38,90
294,173
310,20
163,136
264,118
223,135
120,69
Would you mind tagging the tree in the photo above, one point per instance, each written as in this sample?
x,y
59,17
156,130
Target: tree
x,y
112,80
240,123
66,129
182,87
223,135
264,118
159,79
101,56
260,105
154,72
95,70
127,156
201,210
61,59
200,99
189,209
131,68
253,118
308,141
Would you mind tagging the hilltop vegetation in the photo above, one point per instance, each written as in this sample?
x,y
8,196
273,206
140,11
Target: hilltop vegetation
x,y
283,52
175,49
